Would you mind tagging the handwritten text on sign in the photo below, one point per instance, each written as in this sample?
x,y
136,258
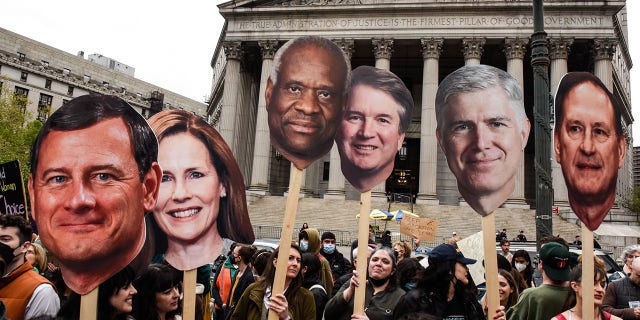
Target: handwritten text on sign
x,y
421,228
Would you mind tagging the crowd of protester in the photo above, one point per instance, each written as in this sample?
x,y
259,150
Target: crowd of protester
x,y
321,283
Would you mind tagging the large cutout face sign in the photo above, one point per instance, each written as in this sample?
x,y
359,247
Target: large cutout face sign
x,y
93,177
202,198
377,115
305,98
482,130
589,145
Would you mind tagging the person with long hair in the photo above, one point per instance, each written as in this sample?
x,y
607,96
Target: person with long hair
x,y
158,295
37,257
201,205
522,262
294,303
381,293
446,290
115,298
573,303
507,289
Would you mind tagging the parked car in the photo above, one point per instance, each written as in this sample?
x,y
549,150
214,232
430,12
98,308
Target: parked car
x,y
267,244
530,247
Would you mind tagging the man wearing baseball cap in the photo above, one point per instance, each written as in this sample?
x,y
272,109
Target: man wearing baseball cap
x,y
543,302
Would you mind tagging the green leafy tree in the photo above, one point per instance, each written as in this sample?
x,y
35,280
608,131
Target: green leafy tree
x,y
633,204
18,129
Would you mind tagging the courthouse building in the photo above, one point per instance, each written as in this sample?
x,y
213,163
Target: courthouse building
x,y
421,42
50,77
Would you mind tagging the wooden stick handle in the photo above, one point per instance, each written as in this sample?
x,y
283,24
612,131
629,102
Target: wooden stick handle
x,y
587,273
490,264
290,211
189,294
89,305
363,243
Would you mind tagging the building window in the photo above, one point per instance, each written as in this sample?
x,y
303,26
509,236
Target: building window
x,y
325,171
20,95
44,107
21,56
47,83
70,91
23,76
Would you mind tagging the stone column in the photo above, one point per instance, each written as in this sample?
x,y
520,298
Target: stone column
x,y
382,50
234,52
559,49
515,49
261,151
431,50
472,49
335,187
604,50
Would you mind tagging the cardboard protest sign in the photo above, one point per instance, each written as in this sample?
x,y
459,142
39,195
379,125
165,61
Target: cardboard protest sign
x,y
482,129
305,98
12,197
589,144
472,247
421,228
376,118
201,205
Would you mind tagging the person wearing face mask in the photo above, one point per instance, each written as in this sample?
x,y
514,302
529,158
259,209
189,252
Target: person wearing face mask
x,y
339,264
309,241
25,293
522,262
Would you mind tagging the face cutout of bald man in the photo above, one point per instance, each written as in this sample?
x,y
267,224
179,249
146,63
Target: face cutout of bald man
x,y
589,144
305,98
482,130
373,127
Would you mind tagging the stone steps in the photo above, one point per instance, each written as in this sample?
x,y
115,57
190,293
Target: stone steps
x,y
340,215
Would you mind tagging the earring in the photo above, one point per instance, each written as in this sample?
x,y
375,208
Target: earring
x,y
223,193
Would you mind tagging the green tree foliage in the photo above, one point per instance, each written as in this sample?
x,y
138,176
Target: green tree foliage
x,y
18,129
634,203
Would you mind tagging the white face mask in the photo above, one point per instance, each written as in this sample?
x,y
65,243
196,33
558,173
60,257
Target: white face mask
x,y
520,267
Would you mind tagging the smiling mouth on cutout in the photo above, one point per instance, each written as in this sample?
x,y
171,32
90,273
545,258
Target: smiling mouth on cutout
x,y
181,214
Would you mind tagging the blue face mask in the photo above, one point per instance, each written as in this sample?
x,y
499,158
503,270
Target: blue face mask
x,y
304,245
329,248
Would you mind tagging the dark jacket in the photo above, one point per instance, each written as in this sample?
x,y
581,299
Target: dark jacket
x,y
421,301
241,285
251,303
377,307
617,297
339,265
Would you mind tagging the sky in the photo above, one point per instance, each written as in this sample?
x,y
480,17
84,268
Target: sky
x,y
170,43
